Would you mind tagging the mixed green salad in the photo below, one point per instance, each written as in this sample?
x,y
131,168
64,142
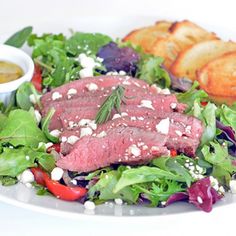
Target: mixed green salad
x,y
28,148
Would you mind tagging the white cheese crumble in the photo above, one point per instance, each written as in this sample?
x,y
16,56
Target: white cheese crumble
x,y
165,91
72,91
56,95
38,116
163,126
232,185
179,133
156,88
72,139
121,72
126,83
86,72
57,173
55,133
87,122
33,98
87,62
89,205
91,87
27,158
214,183
116,116
199,199
173,105
85,131
124,114
48,145
134,150
102,134
118,201
147,104
63,139
26,177
188,129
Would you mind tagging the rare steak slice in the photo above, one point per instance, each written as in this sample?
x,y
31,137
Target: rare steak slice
x,y
91,84
127,145
179,128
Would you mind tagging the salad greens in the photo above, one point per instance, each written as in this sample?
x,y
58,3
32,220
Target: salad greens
x,y
20,128
150,69
19,38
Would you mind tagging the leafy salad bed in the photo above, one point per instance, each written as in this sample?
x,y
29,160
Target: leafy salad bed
x,y
24,137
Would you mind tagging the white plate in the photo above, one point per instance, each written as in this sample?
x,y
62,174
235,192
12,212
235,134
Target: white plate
x,y
21,196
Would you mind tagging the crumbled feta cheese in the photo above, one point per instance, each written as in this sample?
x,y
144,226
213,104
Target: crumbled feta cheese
x,y
28,185
188,129
199,199
38,116
118,201
145,147
124,114
163,126
154,149
87,62
179,133
86,72
56,95
112,73
81,56
134,150
99,59
84,122
232,185
165,91
126,83
199,169
72,91
116,116
72,139
93,125
26,177
85,131
147,104
132,118
173,105
27,158
91,87
55,133
34,98
89,205
140,118
121,72
102,134
73,181
48,145
57,173
221,190
214,183
156,88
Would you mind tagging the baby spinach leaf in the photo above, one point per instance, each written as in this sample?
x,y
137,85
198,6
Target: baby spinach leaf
x,y
8,180
21,129
20,37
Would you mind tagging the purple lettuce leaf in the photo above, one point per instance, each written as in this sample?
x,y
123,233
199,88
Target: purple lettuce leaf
x,y
203,195
227,134
119,59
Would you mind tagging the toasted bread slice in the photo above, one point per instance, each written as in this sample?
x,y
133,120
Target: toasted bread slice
x,y
196,56
145,37
218,77
182,35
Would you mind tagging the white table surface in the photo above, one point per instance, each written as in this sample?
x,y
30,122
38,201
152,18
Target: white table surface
x,y
16,221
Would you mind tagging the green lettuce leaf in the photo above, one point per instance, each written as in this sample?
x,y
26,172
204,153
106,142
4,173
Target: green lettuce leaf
x,y
227,116
86,42
15,161
219,157
20,128
150,69
190,96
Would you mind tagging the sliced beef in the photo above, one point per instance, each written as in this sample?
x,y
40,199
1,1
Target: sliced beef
x,y
91,84
121,145
159,103
178,129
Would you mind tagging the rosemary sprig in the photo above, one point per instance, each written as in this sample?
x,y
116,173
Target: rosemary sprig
x,y
111,102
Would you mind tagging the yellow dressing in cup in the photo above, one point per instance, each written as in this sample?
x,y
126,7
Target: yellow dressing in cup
x,y
9,71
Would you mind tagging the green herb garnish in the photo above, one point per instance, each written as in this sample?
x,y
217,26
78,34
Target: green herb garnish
x,y
111,102
19,38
